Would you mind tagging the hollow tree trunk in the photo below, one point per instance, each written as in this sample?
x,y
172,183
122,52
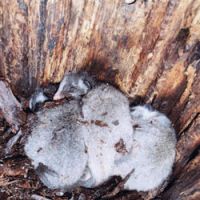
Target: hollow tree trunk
x,y
149,49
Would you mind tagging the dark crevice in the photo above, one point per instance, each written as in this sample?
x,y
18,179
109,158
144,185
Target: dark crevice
x,y
41,37
165,104
194,154
180,110
100,69
194,54
137,100
187,127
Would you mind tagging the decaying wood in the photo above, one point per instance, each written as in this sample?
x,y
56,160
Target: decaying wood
x,y
187,185
149,49
7,170
10,108
188,145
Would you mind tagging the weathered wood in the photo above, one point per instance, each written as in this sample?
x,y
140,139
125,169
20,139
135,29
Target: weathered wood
x,y
10,107
187,185
188,144
149,49
137,43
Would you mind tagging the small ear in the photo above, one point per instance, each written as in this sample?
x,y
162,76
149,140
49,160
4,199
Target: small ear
x,y
149,107
87,83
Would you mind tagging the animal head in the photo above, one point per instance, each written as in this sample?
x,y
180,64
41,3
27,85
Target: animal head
x,y
147,113
37,98
74,85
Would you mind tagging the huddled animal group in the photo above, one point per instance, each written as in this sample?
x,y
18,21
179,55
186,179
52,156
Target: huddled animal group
x,y
95,134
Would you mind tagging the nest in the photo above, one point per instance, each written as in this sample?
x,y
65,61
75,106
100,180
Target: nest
x,y
148,49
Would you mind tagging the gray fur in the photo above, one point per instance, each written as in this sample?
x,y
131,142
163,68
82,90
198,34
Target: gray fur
x,y
74,85
56,146
88,143
107,110
153,153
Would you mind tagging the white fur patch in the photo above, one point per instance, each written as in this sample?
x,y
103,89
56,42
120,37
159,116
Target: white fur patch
x,y
108,109
82,86
39,98
153,152
106,140
57,142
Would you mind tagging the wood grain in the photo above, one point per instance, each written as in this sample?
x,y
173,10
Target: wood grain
x,y
149,49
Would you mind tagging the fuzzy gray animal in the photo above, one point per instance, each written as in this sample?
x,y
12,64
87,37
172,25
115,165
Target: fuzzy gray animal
x,y
56,146
72,144
74,85
37,97
100,137
107,119
153,153
110,133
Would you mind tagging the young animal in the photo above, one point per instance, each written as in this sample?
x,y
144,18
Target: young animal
x,y
85,144
37,97
56,145
106,116
110,133
153,153
74,85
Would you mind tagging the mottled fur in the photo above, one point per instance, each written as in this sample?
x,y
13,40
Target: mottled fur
x,y
96,136
153,153
37,97
110,108
56,146
74,85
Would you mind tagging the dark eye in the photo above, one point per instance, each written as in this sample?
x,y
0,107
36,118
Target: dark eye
x,y
72,89
132,109
87,83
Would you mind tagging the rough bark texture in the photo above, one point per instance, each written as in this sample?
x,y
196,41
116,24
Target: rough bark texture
x,y
149,49
10,108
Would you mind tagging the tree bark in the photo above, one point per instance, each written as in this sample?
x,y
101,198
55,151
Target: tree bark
x,y
149,49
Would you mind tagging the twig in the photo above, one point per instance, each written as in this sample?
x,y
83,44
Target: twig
x,y
119,187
